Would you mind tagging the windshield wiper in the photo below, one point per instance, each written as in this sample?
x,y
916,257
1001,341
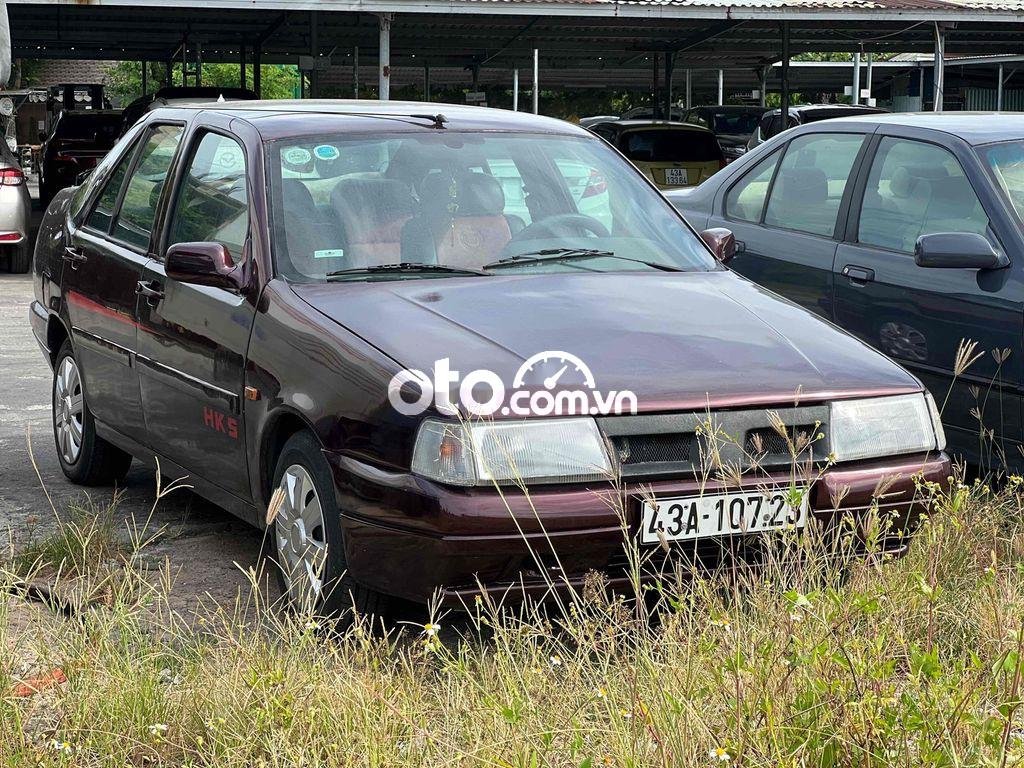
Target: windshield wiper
x,y
568,254
406,266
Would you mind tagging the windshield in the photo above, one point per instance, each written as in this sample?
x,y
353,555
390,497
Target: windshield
x,y
344,206
1007,164
735,122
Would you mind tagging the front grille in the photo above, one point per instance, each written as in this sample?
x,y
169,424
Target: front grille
x,y
659,445
769,443
648,449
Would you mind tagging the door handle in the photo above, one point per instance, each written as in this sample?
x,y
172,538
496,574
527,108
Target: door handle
x,y
858,275
74,257
150,289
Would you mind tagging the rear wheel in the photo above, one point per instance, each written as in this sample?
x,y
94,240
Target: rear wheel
x,y
20,257
85,457
309,542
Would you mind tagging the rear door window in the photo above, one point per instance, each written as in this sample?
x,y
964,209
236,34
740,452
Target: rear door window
x,y
812,178
134,222
915,188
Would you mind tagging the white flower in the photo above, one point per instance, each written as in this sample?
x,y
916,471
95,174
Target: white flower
x,y
555,661
720,754
156,730
431,630
56,745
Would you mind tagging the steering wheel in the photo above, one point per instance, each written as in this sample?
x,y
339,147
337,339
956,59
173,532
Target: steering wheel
x,y
562,225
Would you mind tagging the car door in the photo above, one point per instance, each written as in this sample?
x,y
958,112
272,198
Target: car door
x,y
104,260
785,210
920,317
193,338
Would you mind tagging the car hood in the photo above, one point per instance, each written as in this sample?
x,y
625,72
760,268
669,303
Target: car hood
x,y
676,340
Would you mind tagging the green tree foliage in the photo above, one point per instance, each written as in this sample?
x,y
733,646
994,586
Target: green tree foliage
x,y
124,79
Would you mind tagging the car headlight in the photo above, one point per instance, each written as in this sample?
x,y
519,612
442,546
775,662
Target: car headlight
x,y
885,426
537,451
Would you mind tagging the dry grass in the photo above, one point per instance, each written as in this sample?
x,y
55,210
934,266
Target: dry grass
x,y
917,662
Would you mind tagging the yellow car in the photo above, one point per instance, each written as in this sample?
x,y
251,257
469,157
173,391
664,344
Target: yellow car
x,y
670,154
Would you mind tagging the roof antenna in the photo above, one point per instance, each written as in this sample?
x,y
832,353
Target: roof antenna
x,y
438,120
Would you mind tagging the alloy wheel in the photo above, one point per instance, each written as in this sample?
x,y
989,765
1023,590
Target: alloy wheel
x,y
68,410
301,538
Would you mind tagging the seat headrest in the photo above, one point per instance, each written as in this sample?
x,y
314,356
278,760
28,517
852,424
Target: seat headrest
x,y
907,178
296,195
464,194
803,185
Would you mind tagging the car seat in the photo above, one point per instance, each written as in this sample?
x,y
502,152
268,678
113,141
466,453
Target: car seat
x,y
803,204
309,233
372,213
461,222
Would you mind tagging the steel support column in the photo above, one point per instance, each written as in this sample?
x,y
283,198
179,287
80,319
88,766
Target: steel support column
x,y
999,91
721,87
243,75
384,57
655,103
314,52
669,62
689,89
939,67
785,75
869,82
257,75
515,89
856,79
355,72
536,81
426,81
145,77
762,98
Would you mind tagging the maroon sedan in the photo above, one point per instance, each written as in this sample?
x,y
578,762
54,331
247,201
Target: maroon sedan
x,y
446,339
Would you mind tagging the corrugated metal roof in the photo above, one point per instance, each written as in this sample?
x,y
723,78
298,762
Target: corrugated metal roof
x,y
769,5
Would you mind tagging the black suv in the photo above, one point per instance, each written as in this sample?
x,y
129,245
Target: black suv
x,y
801,114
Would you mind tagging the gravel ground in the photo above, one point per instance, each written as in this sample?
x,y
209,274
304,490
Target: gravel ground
x,y
204,544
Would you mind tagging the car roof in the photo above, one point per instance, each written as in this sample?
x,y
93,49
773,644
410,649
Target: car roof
x,y
672,124
285,118
731,108
852,108
972,127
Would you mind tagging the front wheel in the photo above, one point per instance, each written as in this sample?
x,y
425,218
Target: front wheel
x,y
309,542
20,256
85,457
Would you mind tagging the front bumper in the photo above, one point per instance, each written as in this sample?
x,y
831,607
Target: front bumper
x,y
417,540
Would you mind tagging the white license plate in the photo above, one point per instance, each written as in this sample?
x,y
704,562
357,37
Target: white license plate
x,y
676,176
697,517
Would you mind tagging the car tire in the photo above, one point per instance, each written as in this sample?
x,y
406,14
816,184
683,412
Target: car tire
x,y
85,457
308,539
20,258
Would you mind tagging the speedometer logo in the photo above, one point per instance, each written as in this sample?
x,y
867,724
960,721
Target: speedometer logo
x,y
553,368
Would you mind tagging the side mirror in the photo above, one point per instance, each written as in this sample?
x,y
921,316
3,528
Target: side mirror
x,y
204,264
722,243
957,250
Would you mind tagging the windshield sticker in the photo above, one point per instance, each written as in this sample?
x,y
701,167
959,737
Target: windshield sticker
x,y
296,156
329,253
326,152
